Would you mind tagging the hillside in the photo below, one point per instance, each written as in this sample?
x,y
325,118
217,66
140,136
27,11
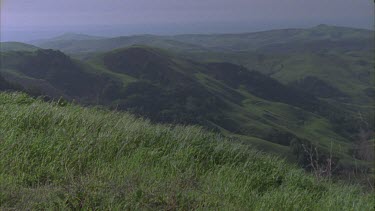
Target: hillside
x,y
58,156
339,58
16,46
52,73
218,95
240,103
6,85
344,66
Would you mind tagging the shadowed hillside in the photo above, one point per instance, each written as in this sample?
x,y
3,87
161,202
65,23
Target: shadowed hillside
x,y
339,56
227,98
5,85
44,69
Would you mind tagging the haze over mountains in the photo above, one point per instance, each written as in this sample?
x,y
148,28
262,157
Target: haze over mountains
x,y
274,89
187,105
76,43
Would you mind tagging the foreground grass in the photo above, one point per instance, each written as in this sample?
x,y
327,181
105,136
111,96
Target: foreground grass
x,y
54,157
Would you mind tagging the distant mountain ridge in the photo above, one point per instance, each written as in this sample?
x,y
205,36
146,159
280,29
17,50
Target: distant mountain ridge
x,y
67,36
213,42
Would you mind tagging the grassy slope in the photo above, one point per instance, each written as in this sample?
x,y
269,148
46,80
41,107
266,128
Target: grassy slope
x,y
252,119
342,57
53,73
74,157
350,72
341,70
339,56
252,114
16,46
256,116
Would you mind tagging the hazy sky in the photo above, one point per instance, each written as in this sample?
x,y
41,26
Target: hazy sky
x,y
198,15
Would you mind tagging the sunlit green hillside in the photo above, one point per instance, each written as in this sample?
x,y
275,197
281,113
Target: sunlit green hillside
x,y
62,156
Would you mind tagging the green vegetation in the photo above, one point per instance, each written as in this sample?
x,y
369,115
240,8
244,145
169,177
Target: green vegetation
x,y
303,95
278,90
339,58
53,73
16,46
62,156
223,97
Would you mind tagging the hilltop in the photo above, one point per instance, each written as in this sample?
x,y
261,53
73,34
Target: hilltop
x,y
63,156
67,36
213,42
16,46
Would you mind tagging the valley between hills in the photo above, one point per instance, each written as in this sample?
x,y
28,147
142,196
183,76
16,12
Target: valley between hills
x,y
301,95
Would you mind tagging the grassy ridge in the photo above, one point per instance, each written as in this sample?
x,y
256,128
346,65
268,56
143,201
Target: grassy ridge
x,y
16,46
69,157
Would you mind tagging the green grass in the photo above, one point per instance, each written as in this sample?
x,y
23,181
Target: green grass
x,y
70,157
258,117
341,70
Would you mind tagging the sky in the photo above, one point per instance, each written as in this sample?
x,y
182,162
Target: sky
x,y
32,19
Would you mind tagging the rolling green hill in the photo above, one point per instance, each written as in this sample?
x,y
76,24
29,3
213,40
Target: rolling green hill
x,y
334,64
16,46
338,57
242,104
63,156
347,70
341,78
53,73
